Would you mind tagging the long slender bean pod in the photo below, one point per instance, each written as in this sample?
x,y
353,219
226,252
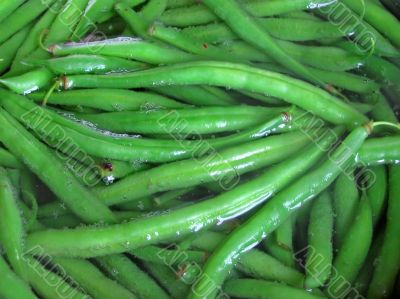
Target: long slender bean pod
x,y
318,102
353,251
320,253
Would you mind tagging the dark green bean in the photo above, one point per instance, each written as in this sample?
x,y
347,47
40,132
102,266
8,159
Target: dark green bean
x,y
377,192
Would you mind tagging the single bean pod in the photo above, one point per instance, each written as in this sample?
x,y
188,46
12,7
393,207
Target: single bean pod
x,y
345,202
197,120
85,242
81,64
8,160
92,280
129,48
12,233
132,277
29,82
8,6
377,151
377,192
122,100
253,289
291,29
319,102
320,248
12,286
351,255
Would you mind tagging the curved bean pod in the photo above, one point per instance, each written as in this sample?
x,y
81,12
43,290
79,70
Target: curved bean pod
x,y
92,64
122,100
253,289
198,120
318,102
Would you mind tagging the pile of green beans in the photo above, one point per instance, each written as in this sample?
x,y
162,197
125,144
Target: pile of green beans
x,y
158,149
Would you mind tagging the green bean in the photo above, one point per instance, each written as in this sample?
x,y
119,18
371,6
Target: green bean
x,y
22,16
291,29
92,280
58,179
8,160
376,192
10,47
29,82
320,249
12,233
249,30
387,266
378,17
178,3
132,277
130,48
314,56
199,14
122,100
278,250
251,288
8,6
278,209
174,37
169,257
377,151
345,201
196,95
167,279
365,274
80,64
224,168
11,286
260,265
230,75
124,237
171,198
219,119
351,255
